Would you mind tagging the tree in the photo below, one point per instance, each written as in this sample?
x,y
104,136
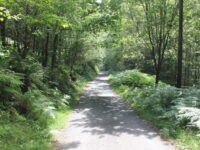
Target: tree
x,y
160,17
180,45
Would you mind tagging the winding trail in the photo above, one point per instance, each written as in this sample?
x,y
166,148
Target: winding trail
x,y
102,121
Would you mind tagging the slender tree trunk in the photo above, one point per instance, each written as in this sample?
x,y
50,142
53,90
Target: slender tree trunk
x,y
34,42
157,78
158,70
25,50
3,32
180,45
60,48
53,61
25,40
46,52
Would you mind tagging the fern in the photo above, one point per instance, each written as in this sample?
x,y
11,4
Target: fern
x,y
10,83
182,106
189,113
39,106
10,78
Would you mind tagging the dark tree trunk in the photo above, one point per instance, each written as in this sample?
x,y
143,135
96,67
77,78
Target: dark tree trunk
x,y
180,45
46,52
25,50
158,70
34,42
25,40
17,37
157,78
55,42
3,32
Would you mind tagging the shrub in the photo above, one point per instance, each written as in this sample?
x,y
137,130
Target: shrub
x,y
60,78
132,78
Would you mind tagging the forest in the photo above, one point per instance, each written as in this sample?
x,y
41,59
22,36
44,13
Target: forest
x,y
51,49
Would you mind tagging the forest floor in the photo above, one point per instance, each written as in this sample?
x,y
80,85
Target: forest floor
x,y
102,121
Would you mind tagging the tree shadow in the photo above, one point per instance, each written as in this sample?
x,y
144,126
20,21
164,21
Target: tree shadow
x,y
102,113
106,115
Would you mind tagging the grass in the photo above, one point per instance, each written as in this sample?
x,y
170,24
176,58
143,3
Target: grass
x,y
20,133
23,135
187,138
61,119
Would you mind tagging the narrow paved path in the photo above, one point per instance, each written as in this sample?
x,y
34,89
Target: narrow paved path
x,y
102,121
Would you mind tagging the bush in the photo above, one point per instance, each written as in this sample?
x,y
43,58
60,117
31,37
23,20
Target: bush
x,y
132,78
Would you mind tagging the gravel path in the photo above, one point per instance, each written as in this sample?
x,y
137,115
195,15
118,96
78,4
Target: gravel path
x,y
102,121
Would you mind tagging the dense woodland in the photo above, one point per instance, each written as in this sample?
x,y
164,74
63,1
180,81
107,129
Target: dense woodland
x,y
49,49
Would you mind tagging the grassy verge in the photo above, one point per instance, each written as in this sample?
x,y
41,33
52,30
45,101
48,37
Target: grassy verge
x,y
61,119
162,106
23,135
27,134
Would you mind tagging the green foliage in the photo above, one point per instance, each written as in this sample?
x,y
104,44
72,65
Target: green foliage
x,y
49,49
180,106
38,106
60,78
10,90
32,99
148,27
21,133
88,70
29,115
169,108
188,138
132,78
61,119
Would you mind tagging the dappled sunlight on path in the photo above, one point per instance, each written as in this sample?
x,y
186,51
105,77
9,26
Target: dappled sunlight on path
x,y
102,121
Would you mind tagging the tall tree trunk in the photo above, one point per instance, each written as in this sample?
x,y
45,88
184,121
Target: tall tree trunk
x,y
53,61
25,40
180,45
157,78
25,50
46,52
3,32
34,42
158,70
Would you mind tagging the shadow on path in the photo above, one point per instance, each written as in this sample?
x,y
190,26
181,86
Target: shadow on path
x,y
102,121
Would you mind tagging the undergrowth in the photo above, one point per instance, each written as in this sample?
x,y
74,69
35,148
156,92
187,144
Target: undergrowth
x,y
35,100
21,133
176,112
